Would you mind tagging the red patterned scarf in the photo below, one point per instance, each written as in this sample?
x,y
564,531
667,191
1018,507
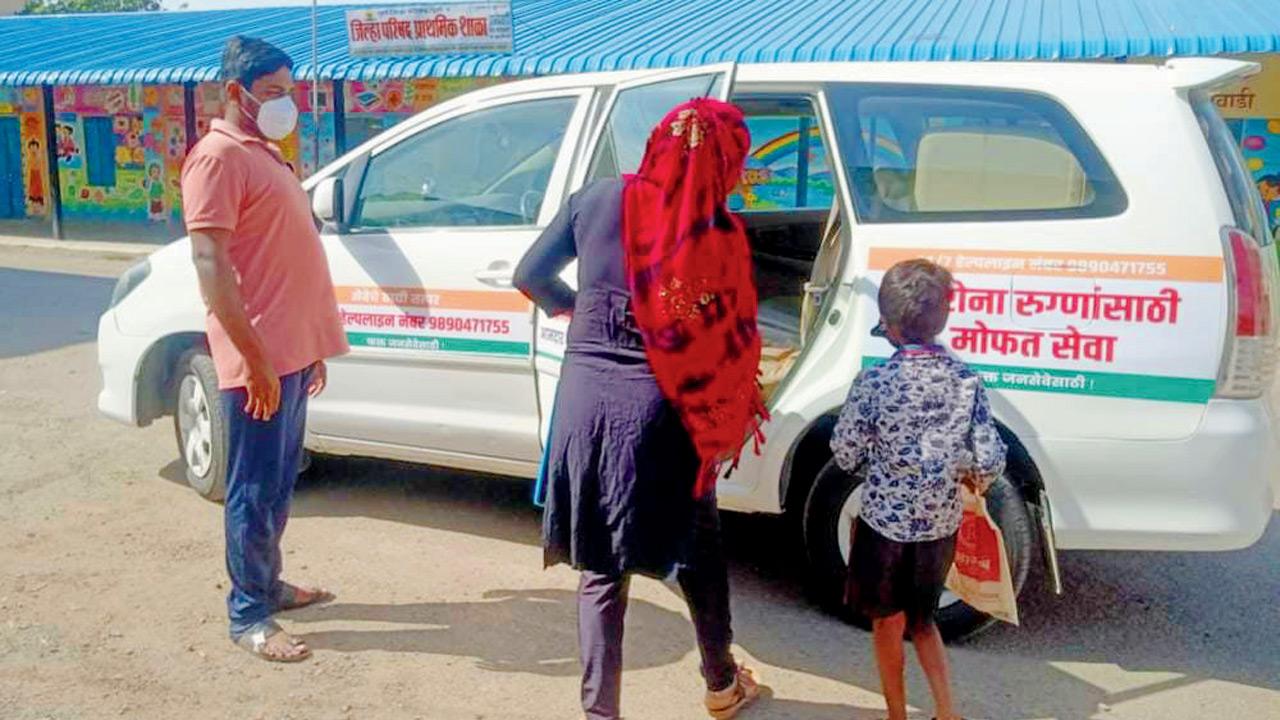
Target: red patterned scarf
x,y
693,289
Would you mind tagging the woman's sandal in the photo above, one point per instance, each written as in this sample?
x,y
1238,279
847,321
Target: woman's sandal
x,y
727,703
289,597
258,641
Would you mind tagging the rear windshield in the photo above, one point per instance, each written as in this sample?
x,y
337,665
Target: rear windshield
x,y
1242,194
918,153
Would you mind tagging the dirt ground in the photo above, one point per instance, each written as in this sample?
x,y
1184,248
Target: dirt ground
x,y
112,587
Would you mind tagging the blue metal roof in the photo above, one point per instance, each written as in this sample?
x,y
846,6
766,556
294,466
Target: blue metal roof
x,y
554,36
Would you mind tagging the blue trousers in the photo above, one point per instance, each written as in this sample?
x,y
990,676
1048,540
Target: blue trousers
x,y
263,459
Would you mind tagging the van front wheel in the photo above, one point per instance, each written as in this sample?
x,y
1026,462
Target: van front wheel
x,y
832,508
200,428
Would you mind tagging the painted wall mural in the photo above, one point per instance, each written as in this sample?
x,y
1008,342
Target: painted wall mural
x,y
1260,142
786,168
165,148
371,107
120,151
120,148
1252,111
26,104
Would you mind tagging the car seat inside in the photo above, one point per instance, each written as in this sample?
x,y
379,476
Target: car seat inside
x,y
784,247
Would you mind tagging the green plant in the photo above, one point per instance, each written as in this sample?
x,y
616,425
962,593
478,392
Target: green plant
x,y
65,7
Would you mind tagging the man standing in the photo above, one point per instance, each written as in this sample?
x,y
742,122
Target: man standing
x,y
273,320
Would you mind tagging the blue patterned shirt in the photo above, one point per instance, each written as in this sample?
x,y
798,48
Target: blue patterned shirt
x,y
919,422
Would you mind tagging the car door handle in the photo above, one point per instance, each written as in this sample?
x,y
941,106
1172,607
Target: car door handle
x,y
498,274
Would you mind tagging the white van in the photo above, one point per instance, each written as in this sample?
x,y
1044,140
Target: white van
x,y
1116,287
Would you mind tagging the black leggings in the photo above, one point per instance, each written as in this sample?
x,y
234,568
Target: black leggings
x,y
602,606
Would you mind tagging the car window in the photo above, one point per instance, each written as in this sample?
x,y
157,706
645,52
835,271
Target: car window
x,y
930,154
635,112
489,167
1246,203
786,168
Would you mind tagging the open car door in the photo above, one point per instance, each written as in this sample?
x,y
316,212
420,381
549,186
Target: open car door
x,y
615,148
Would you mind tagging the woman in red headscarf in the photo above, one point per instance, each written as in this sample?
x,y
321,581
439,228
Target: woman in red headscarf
x,y
658,389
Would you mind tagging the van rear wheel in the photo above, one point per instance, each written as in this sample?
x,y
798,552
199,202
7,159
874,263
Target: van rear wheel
x,y
833,506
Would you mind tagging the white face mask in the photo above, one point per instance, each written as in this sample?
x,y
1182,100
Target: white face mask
x,y
276,118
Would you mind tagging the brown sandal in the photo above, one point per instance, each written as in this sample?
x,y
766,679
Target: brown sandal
x,y
289,597
727,703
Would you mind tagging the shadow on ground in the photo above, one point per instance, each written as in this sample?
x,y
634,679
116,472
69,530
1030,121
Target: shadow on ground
x,y
1190,617
523,631
57,310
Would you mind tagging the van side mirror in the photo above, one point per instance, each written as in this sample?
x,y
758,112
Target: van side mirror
x,y
328,202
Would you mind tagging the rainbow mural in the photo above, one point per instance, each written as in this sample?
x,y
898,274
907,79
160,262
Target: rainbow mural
x,y
774,178
784,144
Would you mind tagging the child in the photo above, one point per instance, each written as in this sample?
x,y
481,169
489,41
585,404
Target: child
x,y
919,424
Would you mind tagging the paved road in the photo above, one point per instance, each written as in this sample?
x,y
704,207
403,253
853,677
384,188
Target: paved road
x,y
47,310
111,588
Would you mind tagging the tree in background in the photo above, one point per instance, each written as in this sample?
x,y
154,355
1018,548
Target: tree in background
x,y
65,7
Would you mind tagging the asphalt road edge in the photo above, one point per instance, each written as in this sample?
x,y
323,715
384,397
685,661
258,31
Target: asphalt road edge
x,y
94,247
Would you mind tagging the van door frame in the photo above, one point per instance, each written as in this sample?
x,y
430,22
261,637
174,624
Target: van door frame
x,y
760,483
815,95
609,98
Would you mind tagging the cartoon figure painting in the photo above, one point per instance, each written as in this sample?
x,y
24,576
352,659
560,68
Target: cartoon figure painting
x,y
154,183
68,149
35,177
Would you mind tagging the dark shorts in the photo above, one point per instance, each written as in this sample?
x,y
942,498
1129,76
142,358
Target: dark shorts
x,y
888,577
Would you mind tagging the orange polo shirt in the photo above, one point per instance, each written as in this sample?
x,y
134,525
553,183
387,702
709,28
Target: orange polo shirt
x,y
240,183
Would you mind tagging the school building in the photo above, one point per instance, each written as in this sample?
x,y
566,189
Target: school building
x,y
97,112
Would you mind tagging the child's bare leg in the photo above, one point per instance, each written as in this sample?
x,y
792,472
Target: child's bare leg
x,y
887,636
933,660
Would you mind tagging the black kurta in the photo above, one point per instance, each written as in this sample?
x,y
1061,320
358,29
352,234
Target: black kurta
x,y
620,466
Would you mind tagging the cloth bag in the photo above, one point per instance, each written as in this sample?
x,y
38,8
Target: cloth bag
x,y
980,575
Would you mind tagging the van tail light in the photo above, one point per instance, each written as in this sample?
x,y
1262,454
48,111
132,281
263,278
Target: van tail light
x,y
1249,363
